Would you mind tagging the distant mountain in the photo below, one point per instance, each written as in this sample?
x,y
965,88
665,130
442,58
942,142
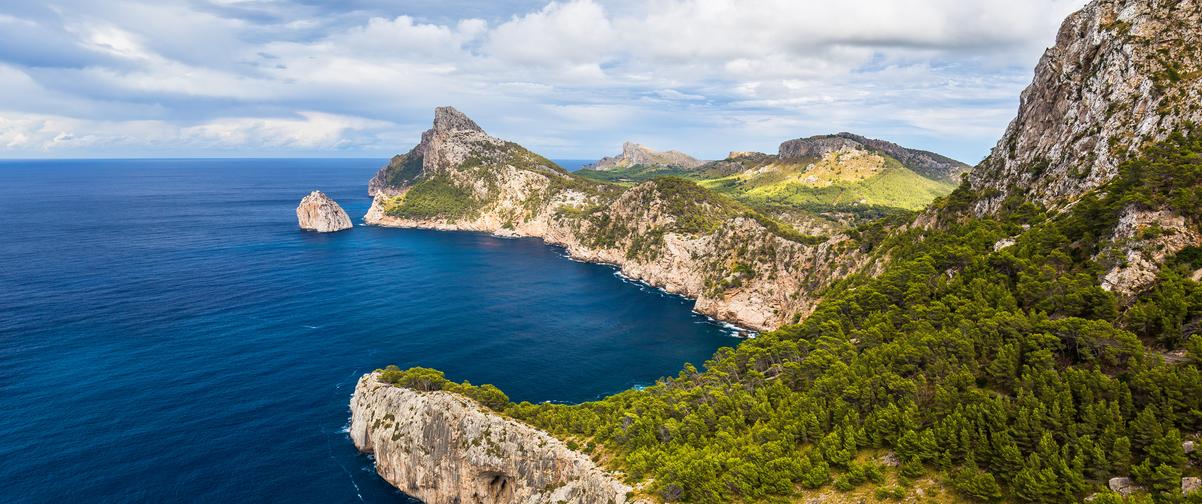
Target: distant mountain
x,y
634,154
841,171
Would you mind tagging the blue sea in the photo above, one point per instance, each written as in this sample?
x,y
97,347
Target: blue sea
x,y
167,333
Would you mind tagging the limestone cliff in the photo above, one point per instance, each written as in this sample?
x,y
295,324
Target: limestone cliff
x,y
445,448
634,154
318,212
1122,73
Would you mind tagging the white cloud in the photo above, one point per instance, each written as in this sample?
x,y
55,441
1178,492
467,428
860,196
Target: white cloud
x,y
574,77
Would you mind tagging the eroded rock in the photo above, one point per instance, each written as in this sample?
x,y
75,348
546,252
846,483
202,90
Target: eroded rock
x,y
444,448
318,212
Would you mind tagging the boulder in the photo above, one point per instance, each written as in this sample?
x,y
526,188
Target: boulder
x,y
1124,486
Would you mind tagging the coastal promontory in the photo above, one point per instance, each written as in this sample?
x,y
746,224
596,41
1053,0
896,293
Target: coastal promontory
x,y
318,212
442,447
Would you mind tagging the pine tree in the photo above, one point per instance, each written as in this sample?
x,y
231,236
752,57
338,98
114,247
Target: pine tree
x,y
1120,455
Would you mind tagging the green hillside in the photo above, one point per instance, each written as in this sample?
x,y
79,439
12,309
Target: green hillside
x,y
837,182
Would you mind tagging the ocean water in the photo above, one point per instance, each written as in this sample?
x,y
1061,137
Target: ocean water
x,y
167,333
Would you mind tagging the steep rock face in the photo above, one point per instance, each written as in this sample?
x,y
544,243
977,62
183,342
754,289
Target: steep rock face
x,y
441,147
444,448
926,163
815,147
1123,73
1142,240
635,154
666,232
318,212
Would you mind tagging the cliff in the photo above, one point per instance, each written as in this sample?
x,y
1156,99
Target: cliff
x,y
634,154
318,212
738,264
1122,74
445,448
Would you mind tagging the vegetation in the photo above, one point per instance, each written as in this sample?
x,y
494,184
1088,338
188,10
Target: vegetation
x,y
631,175
840,186
1005,375
837,186
427,380
434,197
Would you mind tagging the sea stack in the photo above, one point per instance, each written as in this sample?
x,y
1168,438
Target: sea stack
x,y
318,212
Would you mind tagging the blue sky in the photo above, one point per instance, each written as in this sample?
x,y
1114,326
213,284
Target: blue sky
x,y
568,79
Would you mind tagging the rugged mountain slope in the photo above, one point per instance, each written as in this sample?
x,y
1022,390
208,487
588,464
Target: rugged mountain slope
x,y
634,154
1123,73
740,265
1122,76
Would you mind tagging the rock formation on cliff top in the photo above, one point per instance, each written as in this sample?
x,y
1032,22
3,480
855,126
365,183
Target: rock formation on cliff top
x,y
1122,73
318,212
925,163
634,154
444,448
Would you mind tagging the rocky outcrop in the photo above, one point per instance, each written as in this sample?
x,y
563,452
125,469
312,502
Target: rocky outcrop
x,y
1191,485
445,448
1123,73
1123,486
634,154
318,212
668,233
926,163
1142,241
815,147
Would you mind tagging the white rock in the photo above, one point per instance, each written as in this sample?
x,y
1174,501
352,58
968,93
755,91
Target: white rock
x,y
1124,486
444,448
1190,485
318,212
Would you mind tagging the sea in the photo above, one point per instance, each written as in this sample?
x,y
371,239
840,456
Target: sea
x,y
168,334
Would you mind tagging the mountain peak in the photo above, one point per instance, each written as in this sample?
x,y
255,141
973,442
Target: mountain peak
x,y
928,164
637,154
1123,74
450,119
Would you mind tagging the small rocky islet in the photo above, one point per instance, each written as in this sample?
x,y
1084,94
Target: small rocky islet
x,y
318,212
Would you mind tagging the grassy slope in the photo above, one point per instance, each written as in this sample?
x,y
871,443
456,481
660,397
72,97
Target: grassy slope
x,y
893,187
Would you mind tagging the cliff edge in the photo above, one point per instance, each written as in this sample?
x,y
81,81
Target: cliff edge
x,y
445,448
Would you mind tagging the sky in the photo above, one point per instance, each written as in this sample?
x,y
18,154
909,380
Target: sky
x,y
568,79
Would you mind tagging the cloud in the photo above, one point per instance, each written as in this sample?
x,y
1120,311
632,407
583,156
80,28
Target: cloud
x,y
573,77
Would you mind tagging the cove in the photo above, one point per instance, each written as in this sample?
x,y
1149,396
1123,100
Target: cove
x,y
168,334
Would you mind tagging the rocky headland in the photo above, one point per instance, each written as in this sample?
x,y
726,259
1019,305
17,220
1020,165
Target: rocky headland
x,y
444,448
740,265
